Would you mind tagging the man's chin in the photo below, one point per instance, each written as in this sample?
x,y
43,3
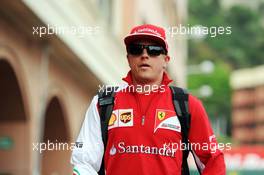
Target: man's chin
x,y
145,79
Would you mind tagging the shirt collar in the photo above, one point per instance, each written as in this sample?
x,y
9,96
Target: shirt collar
x,y
165,79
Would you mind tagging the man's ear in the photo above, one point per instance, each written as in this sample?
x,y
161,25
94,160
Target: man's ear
x,y
167,58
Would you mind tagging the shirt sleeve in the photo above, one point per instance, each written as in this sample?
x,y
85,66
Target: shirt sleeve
x,y
204,145
88,150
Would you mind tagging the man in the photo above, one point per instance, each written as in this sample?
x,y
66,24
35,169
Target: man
x,y
144,133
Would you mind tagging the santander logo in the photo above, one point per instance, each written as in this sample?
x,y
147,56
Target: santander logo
x,y
123,148
113,150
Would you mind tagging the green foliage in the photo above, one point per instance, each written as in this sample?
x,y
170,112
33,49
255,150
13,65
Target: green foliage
x,y
217,105
244,47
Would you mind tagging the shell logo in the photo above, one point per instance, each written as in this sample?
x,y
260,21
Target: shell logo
x,y
112,119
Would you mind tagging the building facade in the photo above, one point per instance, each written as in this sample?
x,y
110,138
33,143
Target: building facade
x,y
48,79
248,106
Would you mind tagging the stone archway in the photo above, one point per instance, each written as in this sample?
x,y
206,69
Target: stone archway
x,y
56,161
14,127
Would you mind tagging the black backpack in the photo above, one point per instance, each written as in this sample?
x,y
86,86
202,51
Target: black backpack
x,y
180,102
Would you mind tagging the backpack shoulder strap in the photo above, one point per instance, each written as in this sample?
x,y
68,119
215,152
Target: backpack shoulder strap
x,y
180,102
106,100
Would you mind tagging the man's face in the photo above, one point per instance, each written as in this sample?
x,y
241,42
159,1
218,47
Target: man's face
x,y
147,68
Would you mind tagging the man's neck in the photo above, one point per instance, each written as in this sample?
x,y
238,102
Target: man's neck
x,y
147,83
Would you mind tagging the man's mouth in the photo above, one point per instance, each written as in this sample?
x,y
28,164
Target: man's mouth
x,y
144,65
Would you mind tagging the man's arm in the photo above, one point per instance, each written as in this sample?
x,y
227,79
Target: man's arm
x,y
212,159
88,152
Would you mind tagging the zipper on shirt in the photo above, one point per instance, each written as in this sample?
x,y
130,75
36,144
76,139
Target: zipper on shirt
x,y
143,120
140,110
139,105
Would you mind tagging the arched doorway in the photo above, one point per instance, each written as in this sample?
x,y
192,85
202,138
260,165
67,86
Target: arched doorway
x,y
56,161
14,130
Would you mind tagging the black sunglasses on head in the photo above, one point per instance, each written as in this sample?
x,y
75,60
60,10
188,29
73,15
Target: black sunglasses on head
x,y
152,50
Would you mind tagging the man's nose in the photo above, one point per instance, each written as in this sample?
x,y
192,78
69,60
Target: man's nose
x,y
144,53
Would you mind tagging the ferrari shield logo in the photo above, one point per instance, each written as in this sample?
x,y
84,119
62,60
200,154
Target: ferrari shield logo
x,y
166,119
161,115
